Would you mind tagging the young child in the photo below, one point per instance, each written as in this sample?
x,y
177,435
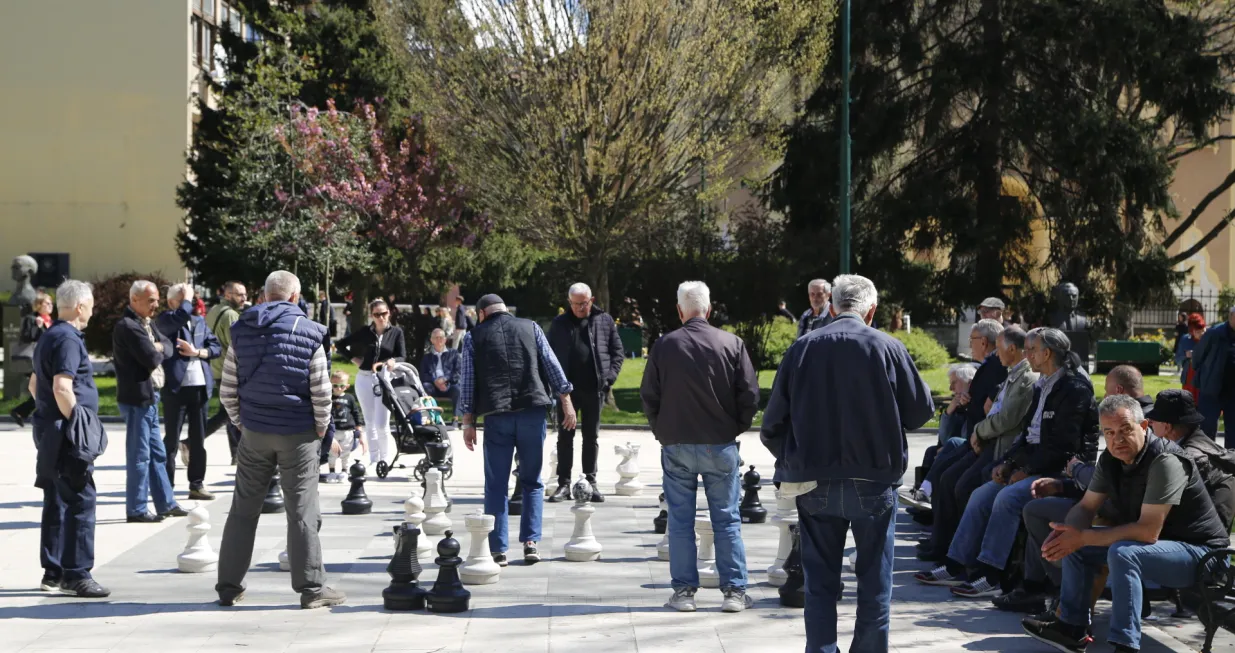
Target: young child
x,y
348,426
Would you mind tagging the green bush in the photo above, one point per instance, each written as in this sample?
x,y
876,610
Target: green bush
x,y
1166,347
766,342
926,352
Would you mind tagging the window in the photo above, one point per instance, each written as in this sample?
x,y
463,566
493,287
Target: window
x,y
251,33
197,6
225,13
196,26
208,9
235,22
203,42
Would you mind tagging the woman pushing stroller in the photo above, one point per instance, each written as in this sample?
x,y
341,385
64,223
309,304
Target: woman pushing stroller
x,y
370,349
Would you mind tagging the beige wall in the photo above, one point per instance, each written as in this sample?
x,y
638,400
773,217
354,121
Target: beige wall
x,y
94,126
1197,175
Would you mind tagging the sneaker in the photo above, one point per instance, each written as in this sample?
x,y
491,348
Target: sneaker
x,y
562,493
530,555
145,518
200,494
184,453
938,576
736,600
500,559
49,583
174,511
914,498
1019,600
683,599
85,588
228,600
322,598
978,589
1057,635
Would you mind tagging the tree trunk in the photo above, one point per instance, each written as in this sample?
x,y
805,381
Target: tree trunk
x,y
596,268
360,303
989,266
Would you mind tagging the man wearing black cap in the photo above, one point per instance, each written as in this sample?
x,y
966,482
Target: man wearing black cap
x,y
1174,417
508,370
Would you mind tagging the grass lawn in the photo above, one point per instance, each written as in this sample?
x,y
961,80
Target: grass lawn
x,y
629,409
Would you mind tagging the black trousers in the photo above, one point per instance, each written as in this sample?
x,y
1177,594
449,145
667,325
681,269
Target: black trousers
x,y
587,407
219,420
66,546
949,500
186,406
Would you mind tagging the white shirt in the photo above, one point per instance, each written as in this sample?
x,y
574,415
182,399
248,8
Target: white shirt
x,y
194,375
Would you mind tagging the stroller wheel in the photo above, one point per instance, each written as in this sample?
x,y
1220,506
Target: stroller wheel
x,y
450,469
383,469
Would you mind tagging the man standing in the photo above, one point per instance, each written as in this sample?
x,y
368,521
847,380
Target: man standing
x,y
62,383
508,368
462,322
818,315
843,398
188,384
138,350
441,371
700,392
586,343
1214,362
276,388
220,320
1163,524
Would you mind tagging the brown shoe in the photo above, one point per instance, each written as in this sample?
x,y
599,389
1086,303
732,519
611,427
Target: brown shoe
x,y
200,494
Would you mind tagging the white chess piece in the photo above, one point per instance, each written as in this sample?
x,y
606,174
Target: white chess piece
x,y
479,568
852,560
435,504
628,470
198,557
662,547
582,546
284,565
552,472
708,576
786,516
414,514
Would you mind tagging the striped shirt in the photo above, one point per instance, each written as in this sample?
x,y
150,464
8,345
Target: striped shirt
x,y
319,388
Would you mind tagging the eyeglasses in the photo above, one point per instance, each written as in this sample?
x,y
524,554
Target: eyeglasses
x,y
382,314
338,385
582,303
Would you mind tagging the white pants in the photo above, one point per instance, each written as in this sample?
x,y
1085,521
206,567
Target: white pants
x,y
376,417
346,440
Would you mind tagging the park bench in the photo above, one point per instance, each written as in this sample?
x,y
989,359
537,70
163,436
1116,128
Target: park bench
x,y
1144,356
1213,594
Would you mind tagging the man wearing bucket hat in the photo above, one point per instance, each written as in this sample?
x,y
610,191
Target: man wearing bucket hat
x,y
1174,416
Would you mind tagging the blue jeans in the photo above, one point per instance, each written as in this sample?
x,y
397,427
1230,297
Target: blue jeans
x,y
1165,563
683,464
988,528
505,434
1211,406
825,514
145,460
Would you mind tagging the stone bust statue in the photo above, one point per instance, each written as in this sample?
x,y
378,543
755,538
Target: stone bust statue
x,y
24,269
1065,315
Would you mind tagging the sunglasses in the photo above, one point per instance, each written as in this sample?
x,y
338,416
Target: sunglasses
x,y
338,385
382,314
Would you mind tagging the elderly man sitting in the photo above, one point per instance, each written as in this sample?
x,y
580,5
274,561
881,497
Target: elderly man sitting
x,y
951,444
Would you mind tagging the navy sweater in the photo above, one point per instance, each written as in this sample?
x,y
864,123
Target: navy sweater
x,y
843,397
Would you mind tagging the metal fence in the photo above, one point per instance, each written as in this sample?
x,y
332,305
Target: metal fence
x,y
1189,300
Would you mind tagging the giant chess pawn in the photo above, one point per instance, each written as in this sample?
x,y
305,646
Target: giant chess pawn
x,y
792,592
435,504
357,502
628,470
582,546
274,498
516,495
438,454
284,562
662,547
480,569
448,594
751,510
660,523
414,514
708,576
405,592
552,473
198,557
785,518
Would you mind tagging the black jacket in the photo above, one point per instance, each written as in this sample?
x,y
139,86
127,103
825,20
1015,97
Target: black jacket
x,y
345,412
699,386
607,354
1216,465
362,344
182,323
1069,428
985,385
135,357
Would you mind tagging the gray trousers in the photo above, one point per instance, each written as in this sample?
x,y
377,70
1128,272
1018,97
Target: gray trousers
x,y
296,458
1038,515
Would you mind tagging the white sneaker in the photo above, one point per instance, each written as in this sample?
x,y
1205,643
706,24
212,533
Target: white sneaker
x,y
683,599
938,576
736,600
978,589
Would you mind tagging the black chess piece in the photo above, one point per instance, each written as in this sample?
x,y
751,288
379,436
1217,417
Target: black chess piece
x,y
437,453
405,592
357,502
751,510
274,497
448,594
516,495
661,521
792,593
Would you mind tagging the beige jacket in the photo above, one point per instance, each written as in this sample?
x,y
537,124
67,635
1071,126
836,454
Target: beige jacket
x,y
1014,408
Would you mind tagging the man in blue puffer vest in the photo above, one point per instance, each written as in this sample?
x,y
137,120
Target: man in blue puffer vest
x,y
276,389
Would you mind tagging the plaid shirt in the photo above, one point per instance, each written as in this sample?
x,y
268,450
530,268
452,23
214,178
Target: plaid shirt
x,y
557,378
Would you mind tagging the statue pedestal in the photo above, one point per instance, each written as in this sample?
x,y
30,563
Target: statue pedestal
x,y
15,369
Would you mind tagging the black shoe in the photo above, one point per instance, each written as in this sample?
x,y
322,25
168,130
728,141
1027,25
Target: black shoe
x,y
530,555
17,418
1124,648
930,555
500,559
85,588
596,497
228,600
174,511
49,583
1058,635
1019,600
145,518
562,493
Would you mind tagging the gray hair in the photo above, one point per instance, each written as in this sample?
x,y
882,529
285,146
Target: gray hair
x,y
73,293
579,289
694,298
1113,403
988,329
962,372
1014,336
141,286
437,332
854,294
1054,340
827,287
177,290
281,285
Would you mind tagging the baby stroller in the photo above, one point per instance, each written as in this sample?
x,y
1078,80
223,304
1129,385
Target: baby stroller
x,y
415,419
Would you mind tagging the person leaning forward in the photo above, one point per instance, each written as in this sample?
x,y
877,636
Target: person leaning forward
x,y
276,388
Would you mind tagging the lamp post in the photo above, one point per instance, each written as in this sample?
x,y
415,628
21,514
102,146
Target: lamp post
x,y
844,140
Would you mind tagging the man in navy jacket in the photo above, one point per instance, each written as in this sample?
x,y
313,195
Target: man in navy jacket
x,y
188,383
440,371
843,398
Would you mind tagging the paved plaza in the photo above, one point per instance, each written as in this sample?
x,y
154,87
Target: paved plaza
x,y
614,604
